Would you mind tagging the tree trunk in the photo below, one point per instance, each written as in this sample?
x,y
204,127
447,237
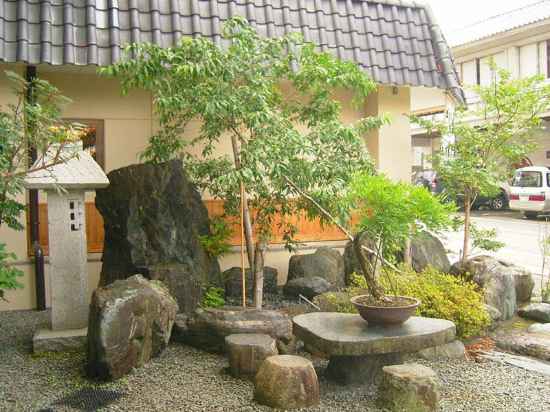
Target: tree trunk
x,y
466,244
370,275
247,223
259,252
407,258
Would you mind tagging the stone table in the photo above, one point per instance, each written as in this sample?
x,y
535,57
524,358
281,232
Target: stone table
x,y
358,351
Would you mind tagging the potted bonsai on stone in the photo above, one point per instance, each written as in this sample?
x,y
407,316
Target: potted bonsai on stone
x,y
386,215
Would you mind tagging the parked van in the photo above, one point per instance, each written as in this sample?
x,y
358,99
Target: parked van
x,y
530,191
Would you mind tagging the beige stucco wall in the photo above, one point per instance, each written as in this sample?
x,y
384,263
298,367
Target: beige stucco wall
x,y
128,125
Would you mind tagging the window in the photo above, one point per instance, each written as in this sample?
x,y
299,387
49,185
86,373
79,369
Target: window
x,y
527,179
94,140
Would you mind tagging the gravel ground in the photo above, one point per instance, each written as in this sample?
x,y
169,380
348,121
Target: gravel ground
x,y
185,379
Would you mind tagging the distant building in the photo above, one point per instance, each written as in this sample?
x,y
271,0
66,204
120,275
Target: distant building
x,y
518,41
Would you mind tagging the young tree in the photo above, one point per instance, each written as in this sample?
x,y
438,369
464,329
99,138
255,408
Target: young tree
x,y
272,102
489,138
33,121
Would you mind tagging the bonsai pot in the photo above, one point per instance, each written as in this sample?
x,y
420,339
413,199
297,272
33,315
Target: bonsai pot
x,y
397,311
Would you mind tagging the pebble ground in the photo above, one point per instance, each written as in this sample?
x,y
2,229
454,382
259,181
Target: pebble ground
x,y
186,379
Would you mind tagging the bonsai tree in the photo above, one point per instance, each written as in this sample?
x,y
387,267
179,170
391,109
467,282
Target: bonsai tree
x,y
482,153
272,102
388,213
33,121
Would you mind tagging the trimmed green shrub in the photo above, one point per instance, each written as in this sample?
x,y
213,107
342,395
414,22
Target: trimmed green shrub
x,y
442,295
213,298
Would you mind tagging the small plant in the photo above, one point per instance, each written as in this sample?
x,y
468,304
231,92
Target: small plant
x,y
213,298
8,274
217,243
484,239
544,245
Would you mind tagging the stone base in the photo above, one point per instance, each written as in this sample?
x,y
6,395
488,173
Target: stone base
x,y
360,369
47,340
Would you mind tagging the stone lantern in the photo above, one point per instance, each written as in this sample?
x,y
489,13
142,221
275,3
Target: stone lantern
x,y
66,184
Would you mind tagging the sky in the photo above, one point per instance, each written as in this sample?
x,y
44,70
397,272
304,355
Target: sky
x,y
455,14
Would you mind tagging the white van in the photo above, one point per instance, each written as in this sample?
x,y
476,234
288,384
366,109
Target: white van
x,y
530,191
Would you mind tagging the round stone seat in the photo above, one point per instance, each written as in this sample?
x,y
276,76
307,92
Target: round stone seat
x,y
287,382
247,351
409,387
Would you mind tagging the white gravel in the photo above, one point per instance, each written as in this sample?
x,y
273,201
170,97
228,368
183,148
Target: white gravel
x,y
186,379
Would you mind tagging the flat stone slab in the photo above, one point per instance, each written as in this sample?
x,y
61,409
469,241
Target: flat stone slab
x,y
342,334
47,340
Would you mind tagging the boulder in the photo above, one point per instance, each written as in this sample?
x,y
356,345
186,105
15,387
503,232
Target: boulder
x,y
247,351
153,217
326,263
427,250
233,281
536,311
207,328
130,322
451,350
504,284
494,315
287,382
543,328
308,287
535,345
351,265
409,387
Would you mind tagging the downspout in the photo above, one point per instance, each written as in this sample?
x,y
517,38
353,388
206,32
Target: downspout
x,y
34,215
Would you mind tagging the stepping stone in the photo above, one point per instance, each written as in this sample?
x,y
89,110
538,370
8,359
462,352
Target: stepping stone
x,y
543,328
409,387
536,311
528,344
247,351
287,382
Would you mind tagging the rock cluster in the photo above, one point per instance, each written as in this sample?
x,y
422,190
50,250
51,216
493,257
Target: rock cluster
x,y
130,322
154,217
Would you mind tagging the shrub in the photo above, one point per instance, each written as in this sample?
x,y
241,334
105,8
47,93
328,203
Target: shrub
x,y
8,274
217,243
442,295
213,298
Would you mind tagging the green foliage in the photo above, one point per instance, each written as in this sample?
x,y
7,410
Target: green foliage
x,y
273,100
485,239
442,296
8,274
29,122
481,157
217,243
392,212
213,298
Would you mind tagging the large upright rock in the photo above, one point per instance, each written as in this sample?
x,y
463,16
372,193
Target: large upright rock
x,y
427,250
153,219
326,263
130,322
504,285
233,281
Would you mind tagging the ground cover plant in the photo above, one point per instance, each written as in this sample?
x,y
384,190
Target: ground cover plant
x,y
272,101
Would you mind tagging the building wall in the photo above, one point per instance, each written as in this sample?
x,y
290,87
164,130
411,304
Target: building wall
x,y
128,124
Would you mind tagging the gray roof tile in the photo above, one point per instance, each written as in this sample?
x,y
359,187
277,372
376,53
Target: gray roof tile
x,y
395,41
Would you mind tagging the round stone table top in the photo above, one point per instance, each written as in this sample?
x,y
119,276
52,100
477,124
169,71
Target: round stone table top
x,y
343,334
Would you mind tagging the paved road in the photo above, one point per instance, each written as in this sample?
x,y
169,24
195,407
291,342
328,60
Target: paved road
x,y
521,238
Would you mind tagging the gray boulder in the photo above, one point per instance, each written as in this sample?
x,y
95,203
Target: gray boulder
x,y
326,263
153,218
543,328
427,250
504,284
451,350
308,287
536,311
233,281
535,345
207,328
130,322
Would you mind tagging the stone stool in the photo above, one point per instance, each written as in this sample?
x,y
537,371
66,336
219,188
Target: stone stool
x,y
287,382
247,351
409,387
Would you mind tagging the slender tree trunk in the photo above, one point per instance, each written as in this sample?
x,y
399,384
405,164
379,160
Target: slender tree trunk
x,y
247,222
370,275
467,208
259,253
407,258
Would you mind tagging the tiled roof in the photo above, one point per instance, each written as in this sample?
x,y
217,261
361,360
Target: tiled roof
x,y
501,23
396,42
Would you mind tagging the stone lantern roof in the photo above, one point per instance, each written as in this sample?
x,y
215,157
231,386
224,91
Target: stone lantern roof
x,y
78,171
